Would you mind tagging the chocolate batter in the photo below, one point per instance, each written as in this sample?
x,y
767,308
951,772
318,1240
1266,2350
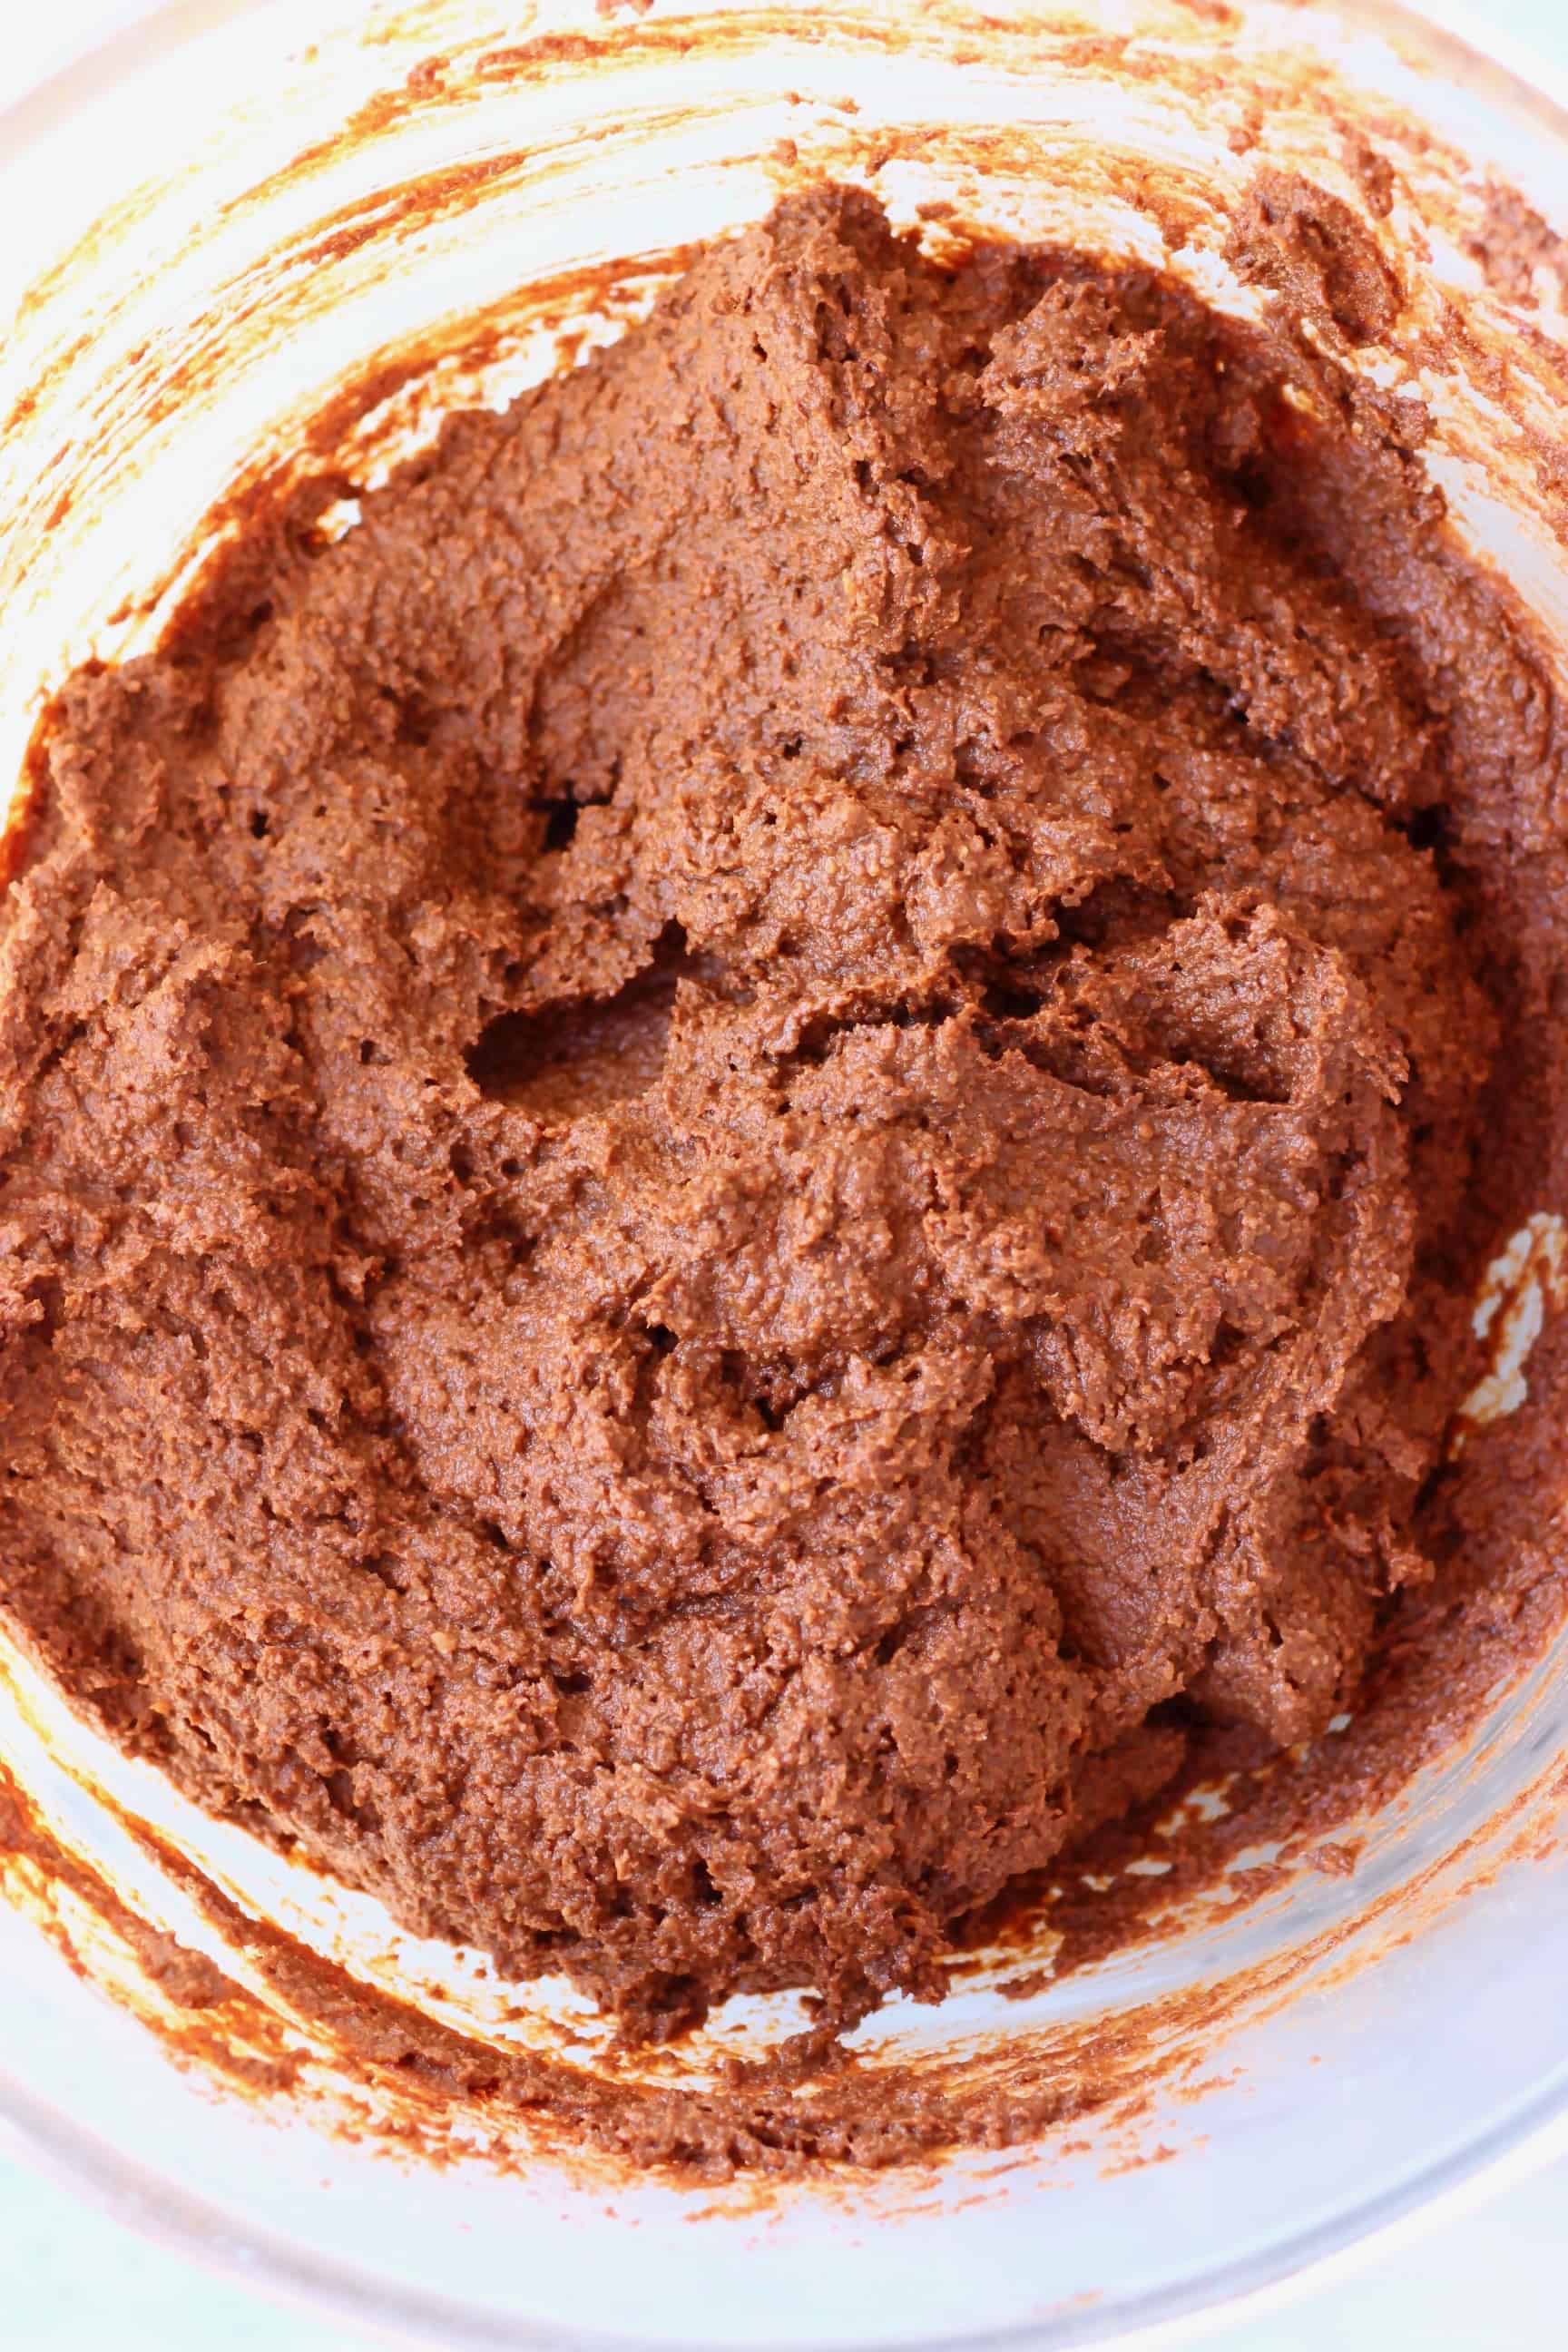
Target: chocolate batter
x,y
735,1153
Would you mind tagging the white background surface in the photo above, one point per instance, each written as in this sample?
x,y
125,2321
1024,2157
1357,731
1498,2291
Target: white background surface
x,y
1488,2280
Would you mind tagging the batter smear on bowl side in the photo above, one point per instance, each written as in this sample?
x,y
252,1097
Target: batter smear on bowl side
x,y
735,1154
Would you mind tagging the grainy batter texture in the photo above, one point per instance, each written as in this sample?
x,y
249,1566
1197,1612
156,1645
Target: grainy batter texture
x,y
731,1152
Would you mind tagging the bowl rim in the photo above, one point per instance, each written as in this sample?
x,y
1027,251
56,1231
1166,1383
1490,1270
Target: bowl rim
x,y
1450,37
1528,2141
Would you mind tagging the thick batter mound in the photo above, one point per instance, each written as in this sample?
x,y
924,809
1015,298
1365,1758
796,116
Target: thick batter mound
x,y
731,1150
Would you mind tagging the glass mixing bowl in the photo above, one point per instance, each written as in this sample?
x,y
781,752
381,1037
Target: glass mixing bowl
x,y
215,223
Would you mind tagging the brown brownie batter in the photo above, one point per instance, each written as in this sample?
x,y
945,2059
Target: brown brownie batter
x,y
732,1150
